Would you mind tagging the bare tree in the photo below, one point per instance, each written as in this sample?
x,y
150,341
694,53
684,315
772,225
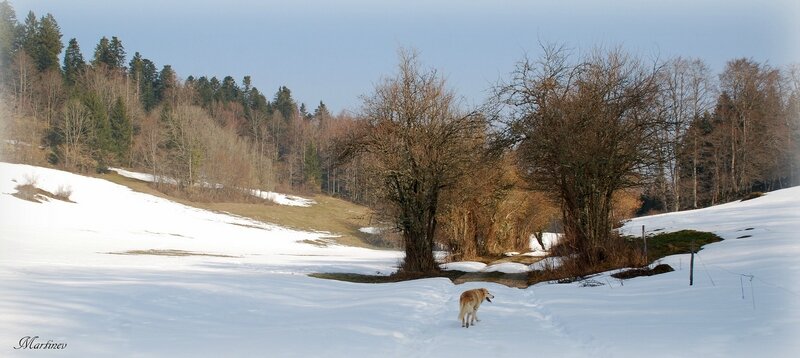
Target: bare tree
x,y
74,127
420,144
684,98
584,131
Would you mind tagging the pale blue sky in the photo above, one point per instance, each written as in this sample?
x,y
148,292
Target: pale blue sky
x,y
336,51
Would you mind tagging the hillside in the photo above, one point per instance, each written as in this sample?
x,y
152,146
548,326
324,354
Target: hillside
x,y
116,271
339,218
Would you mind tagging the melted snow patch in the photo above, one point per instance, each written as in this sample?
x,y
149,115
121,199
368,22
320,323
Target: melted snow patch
x,y
372,230
150,178
283,199
507,267
465,266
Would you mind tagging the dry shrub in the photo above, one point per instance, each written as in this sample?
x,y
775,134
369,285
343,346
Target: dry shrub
x,y
64,192
625,203
487,214
615,253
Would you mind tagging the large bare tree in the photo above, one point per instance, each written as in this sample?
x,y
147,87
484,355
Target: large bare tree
x,y
584,130
418,143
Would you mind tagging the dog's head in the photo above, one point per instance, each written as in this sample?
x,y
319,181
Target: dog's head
x,y
488,296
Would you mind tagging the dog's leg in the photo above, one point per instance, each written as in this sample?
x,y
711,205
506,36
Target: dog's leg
x,y
462,316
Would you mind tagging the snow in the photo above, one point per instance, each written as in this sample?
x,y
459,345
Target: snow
x,y
465,266
507,267
548,238
150,178
283,199
59,282
372,230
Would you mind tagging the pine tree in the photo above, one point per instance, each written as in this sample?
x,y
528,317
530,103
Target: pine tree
x,y
321,111
166,84
27,40
230,90
102,54
116,53
9,33
121,130
101,142
48,43
144,74
73,62
284,103
313,169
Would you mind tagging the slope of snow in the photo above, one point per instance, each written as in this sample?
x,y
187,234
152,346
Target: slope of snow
x,y
59,282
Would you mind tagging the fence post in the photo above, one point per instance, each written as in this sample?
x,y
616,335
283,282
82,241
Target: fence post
x,y
691,266
644,238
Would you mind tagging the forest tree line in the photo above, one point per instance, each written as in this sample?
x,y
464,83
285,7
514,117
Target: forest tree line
x,y
711,138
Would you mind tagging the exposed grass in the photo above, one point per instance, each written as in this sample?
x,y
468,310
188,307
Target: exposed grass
x,y
338,217
167,253
674,243
396,277
658,247
31,193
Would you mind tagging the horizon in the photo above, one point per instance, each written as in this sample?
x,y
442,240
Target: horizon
x,y
321,52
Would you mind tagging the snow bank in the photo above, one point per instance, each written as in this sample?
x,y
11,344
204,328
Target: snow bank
x,y
465,266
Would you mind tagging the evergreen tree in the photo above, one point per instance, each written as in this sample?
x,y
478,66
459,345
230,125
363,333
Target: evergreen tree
x,y
166,84
313,169
73,62
121,130
304,111
284,103
102,53
48,43
205,95
144,73
9,33
27,40
230,90
100,141
322,111
116,53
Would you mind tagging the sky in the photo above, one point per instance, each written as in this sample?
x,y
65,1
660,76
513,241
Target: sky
x,y
336,51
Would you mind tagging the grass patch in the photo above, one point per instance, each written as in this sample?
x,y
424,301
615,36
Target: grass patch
x,y
31,193
395,277
630,250
679,242
338,217
179,253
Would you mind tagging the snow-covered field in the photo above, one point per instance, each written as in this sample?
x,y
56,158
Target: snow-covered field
x,y
63,277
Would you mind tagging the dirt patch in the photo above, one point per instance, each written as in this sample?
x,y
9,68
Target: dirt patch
x,y
659,269
31,193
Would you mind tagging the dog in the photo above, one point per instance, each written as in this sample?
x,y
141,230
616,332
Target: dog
x,y
469,302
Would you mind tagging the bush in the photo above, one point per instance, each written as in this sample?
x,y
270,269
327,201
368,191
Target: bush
x,y
753,195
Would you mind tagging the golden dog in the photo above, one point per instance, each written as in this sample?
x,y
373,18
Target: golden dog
x,y
470,301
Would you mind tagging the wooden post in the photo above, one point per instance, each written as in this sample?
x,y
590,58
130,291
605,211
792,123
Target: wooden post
x,y
691,266
644,238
